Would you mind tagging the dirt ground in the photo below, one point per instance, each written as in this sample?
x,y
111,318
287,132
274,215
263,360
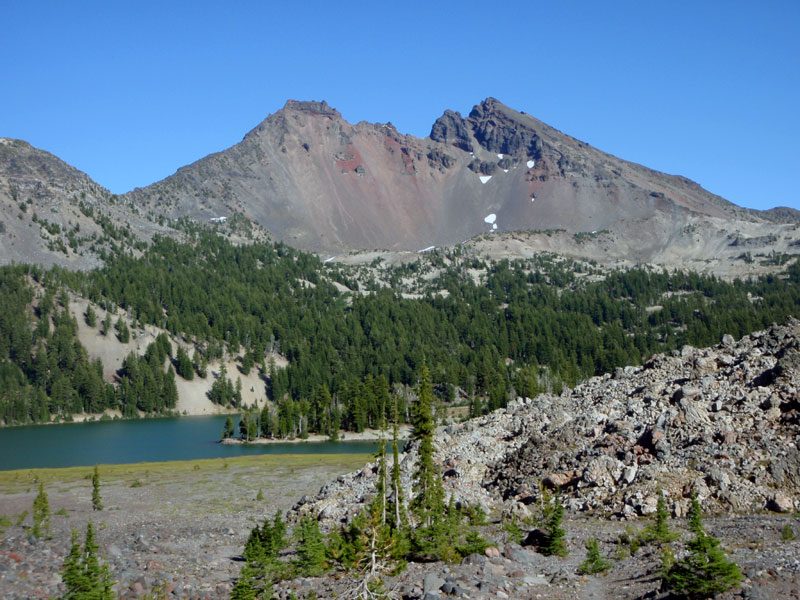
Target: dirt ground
x,y
177,526
176,530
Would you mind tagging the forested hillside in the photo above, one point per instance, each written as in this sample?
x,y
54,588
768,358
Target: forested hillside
x,y
526,325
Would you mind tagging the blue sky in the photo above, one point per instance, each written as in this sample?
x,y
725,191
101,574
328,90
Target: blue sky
x,y
129,92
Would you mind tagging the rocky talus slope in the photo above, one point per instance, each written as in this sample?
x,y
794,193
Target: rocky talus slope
x,y
722,421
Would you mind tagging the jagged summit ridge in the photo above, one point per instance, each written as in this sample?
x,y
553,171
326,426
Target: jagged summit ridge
x,y
319,183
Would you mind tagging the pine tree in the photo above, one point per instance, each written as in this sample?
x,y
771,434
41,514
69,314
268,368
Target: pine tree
x,y
244,588
41,513
84,576
227,430
310,549
695,516
106,324
123,333
594,563
659,531
397,488
184,364
91,316
555,544
278,533
706,571
97,504
427,506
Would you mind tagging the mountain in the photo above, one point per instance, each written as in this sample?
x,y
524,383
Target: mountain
x,y
319,183
52,213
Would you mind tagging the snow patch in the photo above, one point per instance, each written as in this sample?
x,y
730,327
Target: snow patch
x,y
327,260
494,225
533,197
485,178
428,249
530,164
505,170
500,156
490,218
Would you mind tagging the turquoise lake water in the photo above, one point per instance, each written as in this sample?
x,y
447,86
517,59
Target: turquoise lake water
x,y
145,440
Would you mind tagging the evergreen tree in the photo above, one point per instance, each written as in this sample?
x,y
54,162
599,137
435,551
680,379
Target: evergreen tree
x,y
427,505
97,503
695,516
594,563
247,425
84,576
278,533
555,544
245,588
184,366
72,574
706,571
41,513
91,316
659,531
106,324
247,362
310,548
123,333
399,521
227,430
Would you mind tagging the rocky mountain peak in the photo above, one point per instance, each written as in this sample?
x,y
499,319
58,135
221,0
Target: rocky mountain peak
x,y
312,107
451,129
500,130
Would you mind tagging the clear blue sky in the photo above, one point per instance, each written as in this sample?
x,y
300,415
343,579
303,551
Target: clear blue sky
x,y
129,92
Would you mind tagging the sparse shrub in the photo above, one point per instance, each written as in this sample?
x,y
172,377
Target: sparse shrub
x,y
628,543
787,533
512,528
474,514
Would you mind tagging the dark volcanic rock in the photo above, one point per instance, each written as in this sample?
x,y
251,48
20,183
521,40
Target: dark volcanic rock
x,y
451,129
497,132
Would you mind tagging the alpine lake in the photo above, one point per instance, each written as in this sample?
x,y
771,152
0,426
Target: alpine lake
x,y
141,440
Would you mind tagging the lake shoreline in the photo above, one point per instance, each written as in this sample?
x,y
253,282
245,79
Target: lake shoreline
x,y
368,435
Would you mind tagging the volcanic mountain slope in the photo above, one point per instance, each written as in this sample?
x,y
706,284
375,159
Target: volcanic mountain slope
x,y
52,213
320,183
